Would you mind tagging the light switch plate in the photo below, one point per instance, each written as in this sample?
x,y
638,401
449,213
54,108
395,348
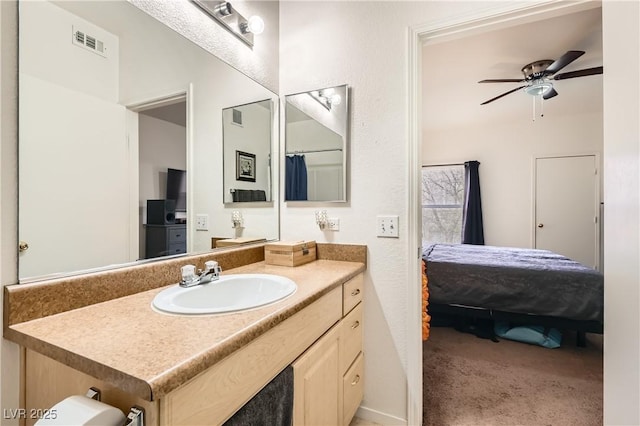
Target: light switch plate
x,y
333,224
388,226
202,222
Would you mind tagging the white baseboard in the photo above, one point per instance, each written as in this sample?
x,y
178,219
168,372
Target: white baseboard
x,y
378,417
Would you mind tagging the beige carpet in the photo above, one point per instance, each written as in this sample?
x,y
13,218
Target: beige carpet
x,y
473,381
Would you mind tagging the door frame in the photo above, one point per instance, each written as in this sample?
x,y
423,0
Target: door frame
x,y
133,108
491,18
597,201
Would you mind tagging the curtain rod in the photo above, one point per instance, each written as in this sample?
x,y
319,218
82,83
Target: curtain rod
x,y
442,165
314,150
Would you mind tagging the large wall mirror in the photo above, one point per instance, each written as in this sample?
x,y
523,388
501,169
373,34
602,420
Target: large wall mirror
x,y
121,141
316,141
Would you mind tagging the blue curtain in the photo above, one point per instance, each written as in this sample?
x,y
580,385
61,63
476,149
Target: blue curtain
x,y
295,178
472,229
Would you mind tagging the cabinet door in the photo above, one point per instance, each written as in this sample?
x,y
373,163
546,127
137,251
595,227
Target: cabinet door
x,y
317,383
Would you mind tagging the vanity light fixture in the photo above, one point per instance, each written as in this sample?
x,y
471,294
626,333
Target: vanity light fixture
x,y
326,97
229,18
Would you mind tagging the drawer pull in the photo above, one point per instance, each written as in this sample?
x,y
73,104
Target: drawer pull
x,y
356,380
355,325
355,292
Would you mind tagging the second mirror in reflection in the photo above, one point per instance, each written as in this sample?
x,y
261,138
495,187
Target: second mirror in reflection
x,y
247,152
316,139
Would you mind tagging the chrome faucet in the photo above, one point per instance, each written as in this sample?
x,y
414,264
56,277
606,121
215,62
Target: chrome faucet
x,y
211,272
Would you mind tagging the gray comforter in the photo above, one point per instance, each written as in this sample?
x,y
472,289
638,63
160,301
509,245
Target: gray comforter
x,y
524,281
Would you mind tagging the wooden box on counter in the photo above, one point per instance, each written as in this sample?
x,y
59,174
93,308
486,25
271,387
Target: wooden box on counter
x,y
290,253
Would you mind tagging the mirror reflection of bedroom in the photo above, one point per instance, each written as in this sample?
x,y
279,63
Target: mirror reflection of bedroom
x,y
512,148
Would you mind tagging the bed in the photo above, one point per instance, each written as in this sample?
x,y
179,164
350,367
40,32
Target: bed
x,y
527,286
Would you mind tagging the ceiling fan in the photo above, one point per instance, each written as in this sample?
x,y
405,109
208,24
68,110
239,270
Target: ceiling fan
x,y
538,76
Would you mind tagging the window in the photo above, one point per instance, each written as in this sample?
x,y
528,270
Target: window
x,y
442,200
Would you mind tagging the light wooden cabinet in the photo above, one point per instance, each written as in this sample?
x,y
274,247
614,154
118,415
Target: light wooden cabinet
x,y
315,386
328,377
323,342
352,389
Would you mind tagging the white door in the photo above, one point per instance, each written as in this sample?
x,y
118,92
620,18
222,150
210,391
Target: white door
x,y
90,226
566,207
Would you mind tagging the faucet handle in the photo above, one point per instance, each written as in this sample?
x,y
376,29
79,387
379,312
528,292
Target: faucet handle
x,y
188,273
213,266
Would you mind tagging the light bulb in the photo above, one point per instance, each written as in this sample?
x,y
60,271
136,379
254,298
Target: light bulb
x,y
255,25
336,99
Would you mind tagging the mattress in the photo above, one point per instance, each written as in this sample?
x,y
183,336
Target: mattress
x,y
517,280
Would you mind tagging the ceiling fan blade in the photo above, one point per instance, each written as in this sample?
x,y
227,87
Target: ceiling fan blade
x,y
503,80
579,73
550,94
563,61
504,94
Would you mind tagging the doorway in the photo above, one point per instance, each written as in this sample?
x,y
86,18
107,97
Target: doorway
x,y
505,15
162,170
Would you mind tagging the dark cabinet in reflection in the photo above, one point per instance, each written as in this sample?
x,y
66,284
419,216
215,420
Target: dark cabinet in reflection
x,y
165,240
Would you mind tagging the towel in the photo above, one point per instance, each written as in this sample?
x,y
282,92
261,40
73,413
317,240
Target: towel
x,y
272,406
245,195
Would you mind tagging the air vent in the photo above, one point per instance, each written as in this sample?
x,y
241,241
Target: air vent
x,y
88,42
237,117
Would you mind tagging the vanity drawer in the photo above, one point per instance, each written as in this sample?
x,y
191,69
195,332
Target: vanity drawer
x,y
177,248
177,235
352,389
350,337
352,293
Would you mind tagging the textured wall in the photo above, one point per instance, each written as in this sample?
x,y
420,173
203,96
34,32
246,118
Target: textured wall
x,y
364,44
259,63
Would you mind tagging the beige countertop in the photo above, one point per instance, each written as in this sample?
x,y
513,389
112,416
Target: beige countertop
x,y
149,354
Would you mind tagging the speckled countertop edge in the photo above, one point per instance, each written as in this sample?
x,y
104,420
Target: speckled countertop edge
x,y
25,302
142,371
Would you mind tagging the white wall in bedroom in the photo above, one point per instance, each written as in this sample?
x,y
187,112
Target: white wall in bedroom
x,y
506,152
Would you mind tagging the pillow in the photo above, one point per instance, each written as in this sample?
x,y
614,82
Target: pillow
x,y
533,334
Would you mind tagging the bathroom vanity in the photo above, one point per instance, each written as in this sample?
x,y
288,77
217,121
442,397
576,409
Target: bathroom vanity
x,y
202,369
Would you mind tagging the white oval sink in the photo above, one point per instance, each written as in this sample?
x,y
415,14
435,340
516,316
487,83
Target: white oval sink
x,y
228,294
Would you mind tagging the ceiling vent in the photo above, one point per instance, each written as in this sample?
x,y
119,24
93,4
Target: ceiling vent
x,y
89,42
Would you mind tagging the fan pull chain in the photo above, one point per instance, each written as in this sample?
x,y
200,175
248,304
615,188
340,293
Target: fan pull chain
x,y
541,106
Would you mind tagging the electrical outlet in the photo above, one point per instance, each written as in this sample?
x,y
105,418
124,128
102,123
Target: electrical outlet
x,y
388,226
202,222
333,224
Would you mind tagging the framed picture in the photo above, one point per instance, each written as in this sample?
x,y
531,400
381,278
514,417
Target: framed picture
x,y
245,166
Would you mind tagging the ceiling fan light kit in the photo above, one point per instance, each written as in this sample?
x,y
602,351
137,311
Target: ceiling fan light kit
x,y
539,76
539,88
